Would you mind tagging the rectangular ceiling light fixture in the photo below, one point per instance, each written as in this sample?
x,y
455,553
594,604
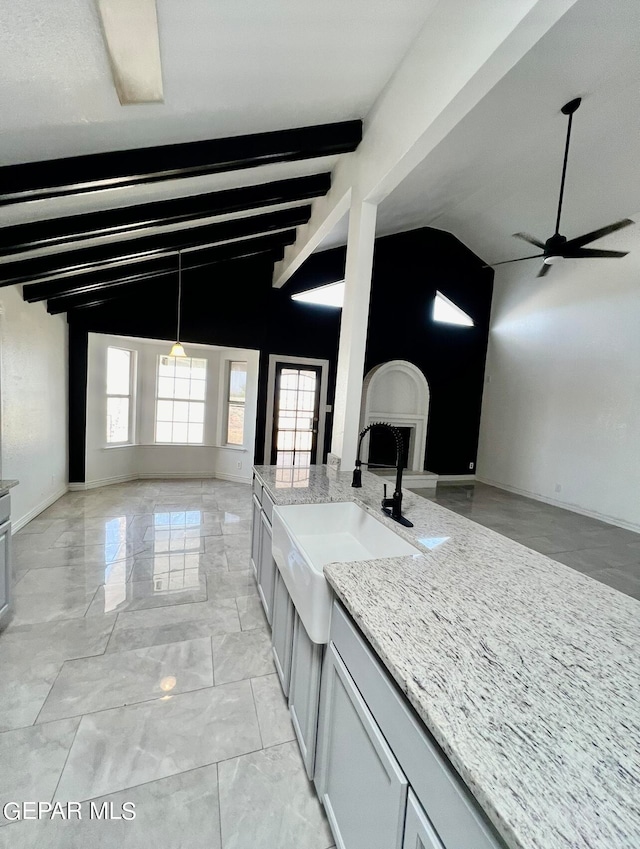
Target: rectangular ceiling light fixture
x,y
131,34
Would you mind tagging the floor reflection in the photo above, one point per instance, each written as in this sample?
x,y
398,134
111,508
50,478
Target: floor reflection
x,y
176,547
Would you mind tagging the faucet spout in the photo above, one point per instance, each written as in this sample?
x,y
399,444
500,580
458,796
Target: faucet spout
x,y
391,506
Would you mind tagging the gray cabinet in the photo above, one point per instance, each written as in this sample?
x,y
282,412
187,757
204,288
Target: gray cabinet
x,y
304,691
5,572
359,781
282,631
255,535
266,568
444,813
418,831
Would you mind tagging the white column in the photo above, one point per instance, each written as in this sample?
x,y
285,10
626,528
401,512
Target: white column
x,y
353,332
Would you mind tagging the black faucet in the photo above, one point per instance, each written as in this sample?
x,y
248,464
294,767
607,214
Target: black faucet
x,y
391,506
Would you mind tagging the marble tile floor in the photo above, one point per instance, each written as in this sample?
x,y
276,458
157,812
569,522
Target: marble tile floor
x,y
137,668
605,552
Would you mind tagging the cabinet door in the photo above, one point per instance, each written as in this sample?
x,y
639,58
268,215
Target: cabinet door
x,y
256,530
418,831
266,568
360,782
5,571
282,631
304,692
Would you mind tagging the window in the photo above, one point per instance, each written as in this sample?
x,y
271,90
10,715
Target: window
x,y
119,385
180,397
447,312
236,395
331,295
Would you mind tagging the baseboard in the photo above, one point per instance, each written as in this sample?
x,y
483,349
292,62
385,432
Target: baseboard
x,y
82,487
574,508
96,484
17,524
457,478
152,476
233,478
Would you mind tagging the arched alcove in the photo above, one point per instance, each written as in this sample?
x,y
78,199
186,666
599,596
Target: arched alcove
x,y
397,392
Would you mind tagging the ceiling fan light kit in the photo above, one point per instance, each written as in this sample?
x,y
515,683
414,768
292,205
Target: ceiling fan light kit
x,y
558,247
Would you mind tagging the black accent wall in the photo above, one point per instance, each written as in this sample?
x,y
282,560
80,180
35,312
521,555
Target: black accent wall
x,y
233,304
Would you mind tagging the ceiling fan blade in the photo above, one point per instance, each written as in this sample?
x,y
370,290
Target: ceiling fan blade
x,y
530,239
585,253
598,234
505,261
544,270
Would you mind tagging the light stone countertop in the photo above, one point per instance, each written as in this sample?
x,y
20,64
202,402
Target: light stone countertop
x,y
6,485
526,672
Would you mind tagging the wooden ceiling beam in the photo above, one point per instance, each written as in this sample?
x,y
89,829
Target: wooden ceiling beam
x,y
49,266
116,276
141,217
97,171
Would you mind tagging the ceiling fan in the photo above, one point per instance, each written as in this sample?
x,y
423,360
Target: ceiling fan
x,y
557,246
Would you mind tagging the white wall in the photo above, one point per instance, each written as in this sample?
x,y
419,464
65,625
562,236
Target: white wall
x,y
561,410
144,459
34,404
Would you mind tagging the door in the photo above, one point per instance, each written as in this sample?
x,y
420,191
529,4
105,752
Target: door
x,y
304,692
357,777
5,571
266,568
296,412
282,631
418,831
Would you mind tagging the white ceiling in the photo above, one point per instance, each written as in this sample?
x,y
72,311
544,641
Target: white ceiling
x,y
230,67
499,171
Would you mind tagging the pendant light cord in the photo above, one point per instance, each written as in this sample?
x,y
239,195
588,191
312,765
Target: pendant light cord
x,y
179,293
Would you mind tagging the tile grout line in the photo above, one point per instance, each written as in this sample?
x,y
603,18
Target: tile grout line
x,y
255,710
66,760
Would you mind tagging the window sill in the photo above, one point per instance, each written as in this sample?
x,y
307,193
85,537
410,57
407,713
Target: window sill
x,y
113,445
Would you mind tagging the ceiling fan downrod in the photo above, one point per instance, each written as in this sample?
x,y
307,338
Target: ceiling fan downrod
x,y
568,109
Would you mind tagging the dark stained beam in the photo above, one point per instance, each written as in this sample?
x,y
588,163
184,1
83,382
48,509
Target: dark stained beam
x,y
139,218
75,175
123,288
50,265
120,276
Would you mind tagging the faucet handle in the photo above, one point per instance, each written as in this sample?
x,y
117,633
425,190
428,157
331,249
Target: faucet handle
x,y
385,489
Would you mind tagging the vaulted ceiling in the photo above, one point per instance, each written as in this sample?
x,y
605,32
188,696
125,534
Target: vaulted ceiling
x,y
260,101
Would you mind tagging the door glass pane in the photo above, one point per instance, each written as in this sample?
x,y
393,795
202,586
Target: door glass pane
x,y
297,416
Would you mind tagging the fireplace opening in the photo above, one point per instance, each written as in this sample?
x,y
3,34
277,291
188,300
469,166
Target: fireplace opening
x,y
382,447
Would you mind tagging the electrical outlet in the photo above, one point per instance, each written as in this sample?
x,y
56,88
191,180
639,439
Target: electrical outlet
x,y
472,466
558,488
239,464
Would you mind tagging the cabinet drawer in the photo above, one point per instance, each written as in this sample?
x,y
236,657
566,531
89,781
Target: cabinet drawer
x,y
448,803
257,488
5,507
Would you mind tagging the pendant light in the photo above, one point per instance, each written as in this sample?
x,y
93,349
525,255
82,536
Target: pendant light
x,y
177,350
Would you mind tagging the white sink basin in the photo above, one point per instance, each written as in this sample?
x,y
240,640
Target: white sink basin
x,y
308,536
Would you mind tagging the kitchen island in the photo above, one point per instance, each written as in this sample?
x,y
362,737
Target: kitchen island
x,y
525,672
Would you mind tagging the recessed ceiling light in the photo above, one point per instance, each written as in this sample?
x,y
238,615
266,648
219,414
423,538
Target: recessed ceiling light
x,y
331,295
131,35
